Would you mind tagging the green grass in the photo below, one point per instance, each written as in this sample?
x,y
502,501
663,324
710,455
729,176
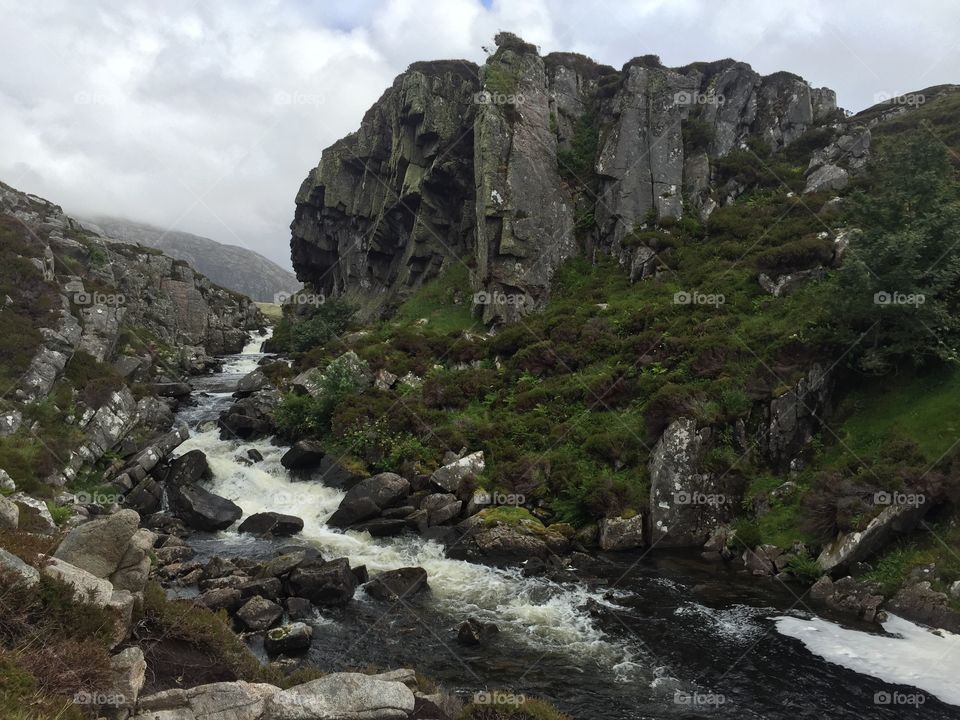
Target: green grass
x,y
271,311
922,408
444,301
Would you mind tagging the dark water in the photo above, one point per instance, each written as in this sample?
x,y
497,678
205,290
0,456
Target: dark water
x,y
663,635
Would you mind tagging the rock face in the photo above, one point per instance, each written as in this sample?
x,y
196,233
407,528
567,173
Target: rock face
x,y
457,164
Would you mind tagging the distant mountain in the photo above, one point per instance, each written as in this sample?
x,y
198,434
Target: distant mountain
x,y
230,266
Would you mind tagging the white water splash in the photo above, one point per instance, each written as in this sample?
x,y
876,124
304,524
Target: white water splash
x,y
907,655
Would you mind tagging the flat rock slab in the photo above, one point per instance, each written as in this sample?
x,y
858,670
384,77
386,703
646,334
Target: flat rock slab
x,y
342,696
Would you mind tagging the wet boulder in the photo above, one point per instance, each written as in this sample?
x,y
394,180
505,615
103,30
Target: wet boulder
x,y
324,583
189,468
304,455
381,527
251,383
368,498
476,632
397,584
288,639
258,613
271,523
921,603
201,509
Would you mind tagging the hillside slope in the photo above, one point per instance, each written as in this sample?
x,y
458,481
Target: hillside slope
x,y
236,268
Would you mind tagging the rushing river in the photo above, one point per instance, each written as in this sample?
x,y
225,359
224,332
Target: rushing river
x,y
662,635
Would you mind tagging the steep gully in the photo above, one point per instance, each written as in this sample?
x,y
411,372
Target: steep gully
x,y
663,635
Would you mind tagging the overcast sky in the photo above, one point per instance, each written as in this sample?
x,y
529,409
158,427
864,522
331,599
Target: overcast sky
x,y
206,116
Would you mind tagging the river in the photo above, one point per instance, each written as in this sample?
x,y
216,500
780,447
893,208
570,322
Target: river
x,y
660,635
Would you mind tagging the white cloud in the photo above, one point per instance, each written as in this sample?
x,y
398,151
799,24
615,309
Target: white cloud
x,y
207,116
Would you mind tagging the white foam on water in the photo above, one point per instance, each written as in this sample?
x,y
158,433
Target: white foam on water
x,y
908,654
538,612
736,623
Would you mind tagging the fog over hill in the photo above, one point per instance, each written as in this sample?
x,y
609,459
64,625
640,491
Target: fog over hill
x,y
231,266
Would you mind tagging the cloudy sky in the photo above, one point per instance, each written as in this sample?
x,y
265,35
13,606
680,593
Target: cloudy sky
x,y
206,116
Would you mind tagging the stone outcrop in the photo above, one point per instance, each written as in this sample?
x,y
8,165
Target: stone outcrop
x,y
686,503
463,165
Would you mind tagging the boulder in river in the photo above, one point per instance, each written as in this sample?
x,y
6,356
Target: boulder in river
x,y
304,455
397,584
189,468
476,632
258,613
288,639
272,523
201,509
324,583
369,497
251,383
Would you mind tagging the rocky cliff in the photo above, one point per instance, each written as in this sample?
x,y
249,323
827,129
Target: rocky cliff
x,y
92,334
514,166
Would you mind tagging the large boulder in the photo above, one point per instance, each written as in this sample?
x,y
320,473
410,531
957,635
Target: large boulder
x,y
188,469
324,583
251,383
258,613
134,568
26,573
288,639
621,533
851,548
34,514
217,701
686,503
369,497
342,696
271,523
201,509
85,585
9,514
397,584
451,476
99,545
128,670
304,455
